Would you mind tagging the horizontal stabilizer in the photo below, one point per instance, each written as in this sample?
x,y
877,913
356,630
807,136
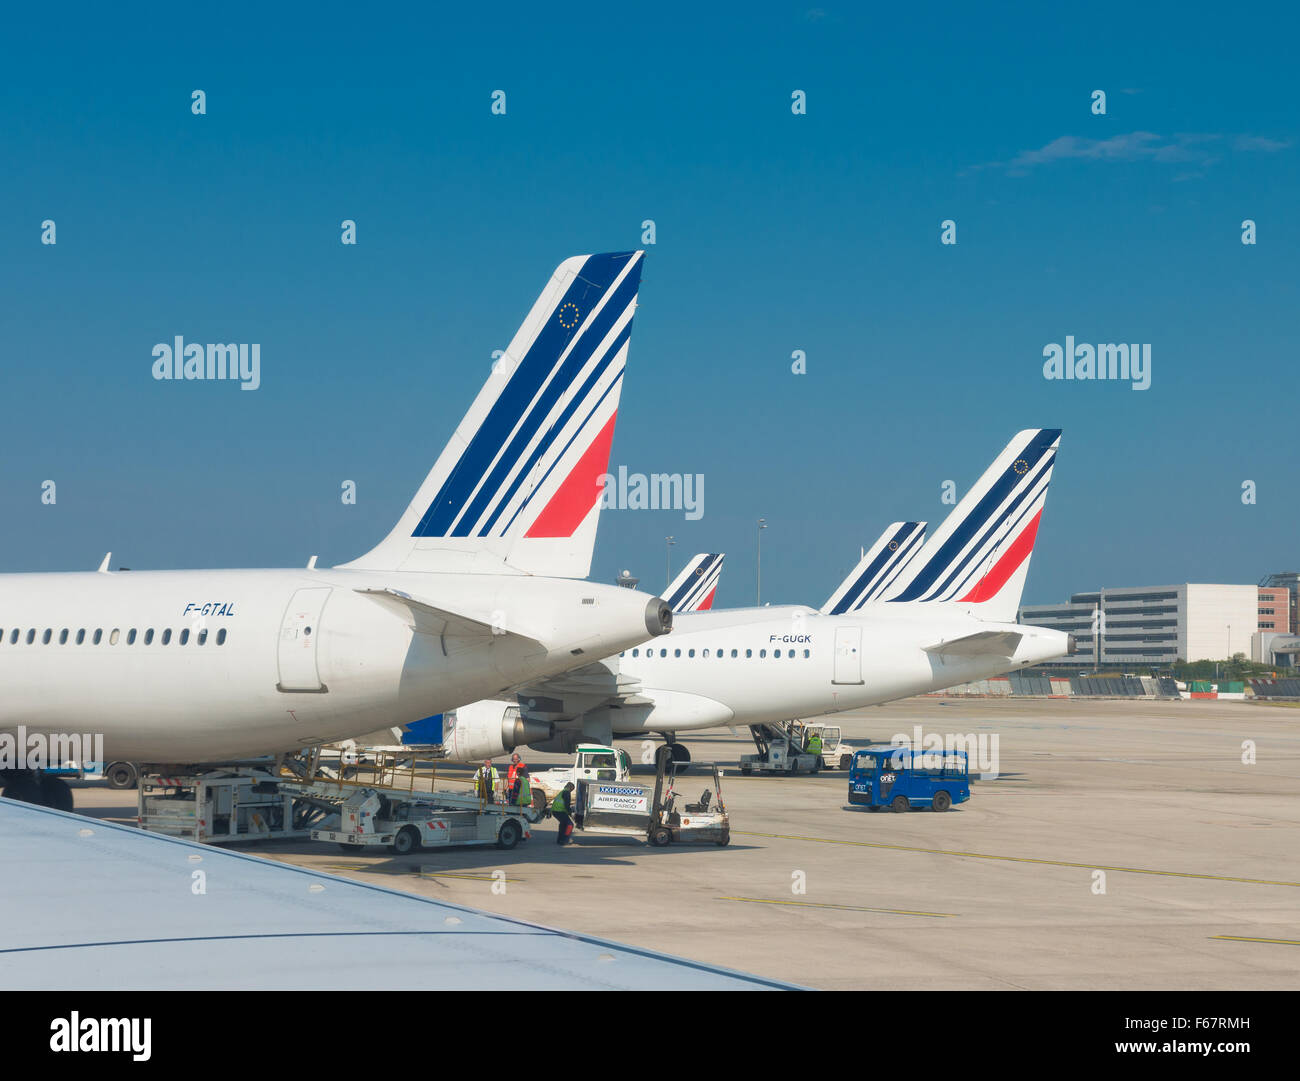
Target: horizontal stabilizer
x,y
426,618
980,644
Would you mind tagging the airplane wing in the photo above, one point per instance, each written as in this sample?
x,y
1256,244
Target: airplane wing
x,y
172,914
570,694
430,619
982,643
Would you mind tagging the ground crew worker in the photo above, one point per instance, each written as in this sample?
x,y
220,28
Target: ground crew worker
x,y
815,743
486,779
523,788
561,808
512,776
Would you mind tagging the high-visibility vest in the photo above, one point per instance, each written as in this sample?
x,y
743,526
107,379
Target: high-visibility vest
x,y
557,804
525,792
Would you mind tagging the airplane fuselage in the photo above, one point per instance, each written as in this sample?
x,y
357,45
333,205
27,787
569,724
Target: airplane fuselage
x,y
181,666
751,666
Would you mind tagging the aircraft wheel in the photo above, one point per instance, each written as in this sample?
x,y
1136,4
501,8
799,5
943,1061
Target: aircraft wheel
x,y
55,792
23,789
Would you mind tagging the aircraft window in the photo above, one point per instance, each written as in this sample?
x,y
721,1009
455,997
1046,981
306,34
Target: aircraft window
x,y
306,631
31,637
45,638
148,637
112,638
663,653
185,636
635,653
13,638
221,636
130,637
81,636
677,652
97,636
63,637
203,637
720,652
690,653
762,653
166,636
749,653
706,653
807,653
734,652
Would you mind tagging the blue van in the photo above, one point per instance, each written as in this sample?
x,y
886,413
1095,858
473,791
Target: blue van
x,y
900,778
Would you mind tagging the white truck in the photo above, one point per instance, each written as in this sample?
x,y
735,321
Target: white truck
x,y
591,762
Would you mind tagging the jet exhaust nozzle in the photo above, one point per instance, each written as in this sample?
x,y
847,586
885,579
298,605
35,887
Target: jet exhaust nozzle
x,y
658,617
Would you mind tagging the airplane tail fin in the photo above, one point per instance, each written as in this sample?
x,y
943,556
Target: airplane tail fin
x,y
517,488
980,554
693,589
878,568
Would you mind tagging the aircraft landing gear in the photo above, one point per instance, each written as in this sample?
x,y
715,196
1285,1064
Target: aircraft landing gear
x,y
39,789
675,752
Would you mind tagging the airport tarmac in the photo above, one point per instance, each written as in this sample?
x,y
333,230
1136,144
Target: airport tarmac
x,y
1200,854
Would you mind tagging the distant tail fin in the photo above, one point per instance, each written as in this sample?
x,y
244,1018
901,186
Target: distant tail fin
x,y
517,486
693,589
980,554
878,568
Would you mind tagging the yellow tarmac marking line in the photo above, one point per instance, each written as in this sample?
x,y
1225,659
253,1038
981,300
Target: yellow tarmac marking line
x,y
471,878
846,908
1273,941
1018,859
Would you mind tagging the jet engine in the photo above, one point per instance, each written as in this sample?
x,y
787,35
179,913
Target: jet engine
x,y
488,729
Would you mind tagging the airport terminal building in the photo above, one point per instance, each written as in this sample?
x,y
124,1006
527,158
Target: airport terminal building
x,y
1145,626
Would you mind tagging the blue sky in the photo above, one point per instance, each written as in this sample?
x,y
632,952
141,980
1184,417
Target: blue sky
x,y
775,232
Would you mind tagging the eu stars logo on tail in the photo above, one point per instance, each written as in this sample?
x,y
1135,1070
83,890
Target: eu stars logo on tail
x,y
516,490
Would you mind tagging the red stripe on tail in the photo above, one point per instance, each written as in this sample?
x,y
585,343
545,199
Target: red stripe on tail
x,y
988,586
573,501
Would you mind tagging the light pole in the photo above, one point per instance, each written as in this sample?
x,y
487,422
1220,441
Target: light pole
x,y
762,525
668,560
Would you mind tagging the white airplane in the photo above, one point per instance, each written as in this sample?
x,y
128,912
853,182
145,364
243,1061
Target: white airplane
x,y
943,615
470,595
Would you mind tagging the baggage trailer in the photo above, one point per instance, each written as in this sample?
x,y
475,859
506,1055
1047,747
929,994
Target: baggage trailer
x,y
295,799
219,806
652,813
406,822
